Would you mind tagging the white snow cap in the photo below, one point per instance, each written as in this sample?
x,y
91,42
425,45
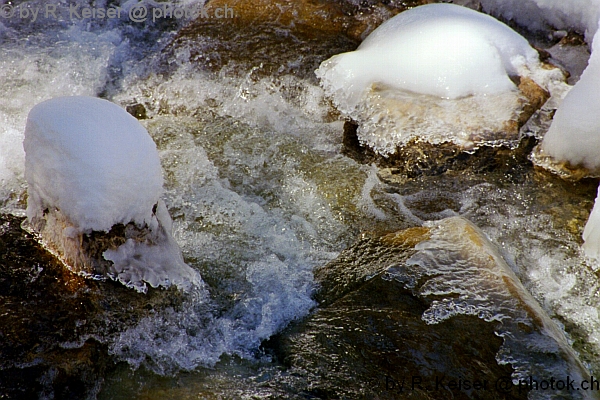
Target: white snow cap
x,y
437,49
93,161
591,234
574,135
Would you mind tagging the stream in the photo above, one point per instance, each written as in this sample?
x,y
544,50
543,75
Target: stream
x,y
261,193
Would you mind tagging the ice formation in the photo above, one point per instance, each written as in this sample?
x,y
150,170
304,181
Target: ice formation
x,y
91,166
464,273
574,135
591,233
437,71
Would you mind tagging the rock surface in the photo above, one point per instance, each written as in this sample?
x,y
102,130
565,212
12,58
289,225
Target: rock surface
x,y
356,20
479,143
54,325
391,324
136,256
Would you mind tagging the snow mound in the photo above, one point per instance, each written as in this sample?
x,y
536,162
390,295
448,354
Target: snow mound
x,y
438,49
438,72
573,136
93,161
94,184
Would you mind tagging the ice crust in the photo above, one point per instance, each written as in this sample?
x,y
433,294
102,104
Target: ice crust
x,y
93,161
591,234
466,275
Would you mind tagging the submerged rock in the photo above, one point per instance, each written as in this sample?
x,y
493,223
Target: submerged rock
x,y
256,48
408,313
425,159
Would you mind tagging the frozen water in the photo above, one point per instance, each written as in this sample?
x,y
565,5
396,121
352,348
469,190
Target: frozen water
x,y
439,49
591,233
467,275
436,73
573,135
89,166
93,161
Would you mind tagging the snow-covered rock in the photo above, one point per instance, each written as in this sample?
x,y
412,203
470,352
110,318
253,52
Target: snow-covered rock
x,y
94,184
436,73
571,147
93,161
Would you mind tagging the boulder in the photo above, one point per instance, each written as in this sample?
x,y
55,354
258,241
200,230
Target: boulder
x,y
425,313
459,140
56,326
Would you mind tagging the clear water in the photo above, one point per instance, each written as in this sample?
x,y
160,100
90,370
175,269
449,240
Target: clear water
x,y
260,195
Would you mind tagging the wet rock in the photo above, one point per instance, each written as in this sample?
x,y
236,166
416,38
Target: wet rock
x,y
481,142
137,110
355,20
137,256
398,314
266,50
562,168
271,38
535,97
55,326
425,159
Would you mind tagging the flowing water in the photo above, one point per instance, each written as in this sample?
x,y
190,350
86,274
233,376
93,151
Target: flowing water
x,y
260,193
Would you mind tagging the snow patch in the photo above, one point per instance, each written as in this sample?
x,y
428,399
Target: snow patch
x,y
438,49
91,160
573,135
90,166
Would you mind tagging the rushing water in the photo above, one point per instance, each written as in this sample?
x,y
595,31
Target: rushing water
x,y
259,192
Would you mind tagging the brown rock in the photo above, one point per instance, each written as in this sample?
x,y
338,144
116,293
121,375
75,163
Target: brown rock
x,y
305,16
399,312
54,325
564,169
310,16
484,148
536,97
